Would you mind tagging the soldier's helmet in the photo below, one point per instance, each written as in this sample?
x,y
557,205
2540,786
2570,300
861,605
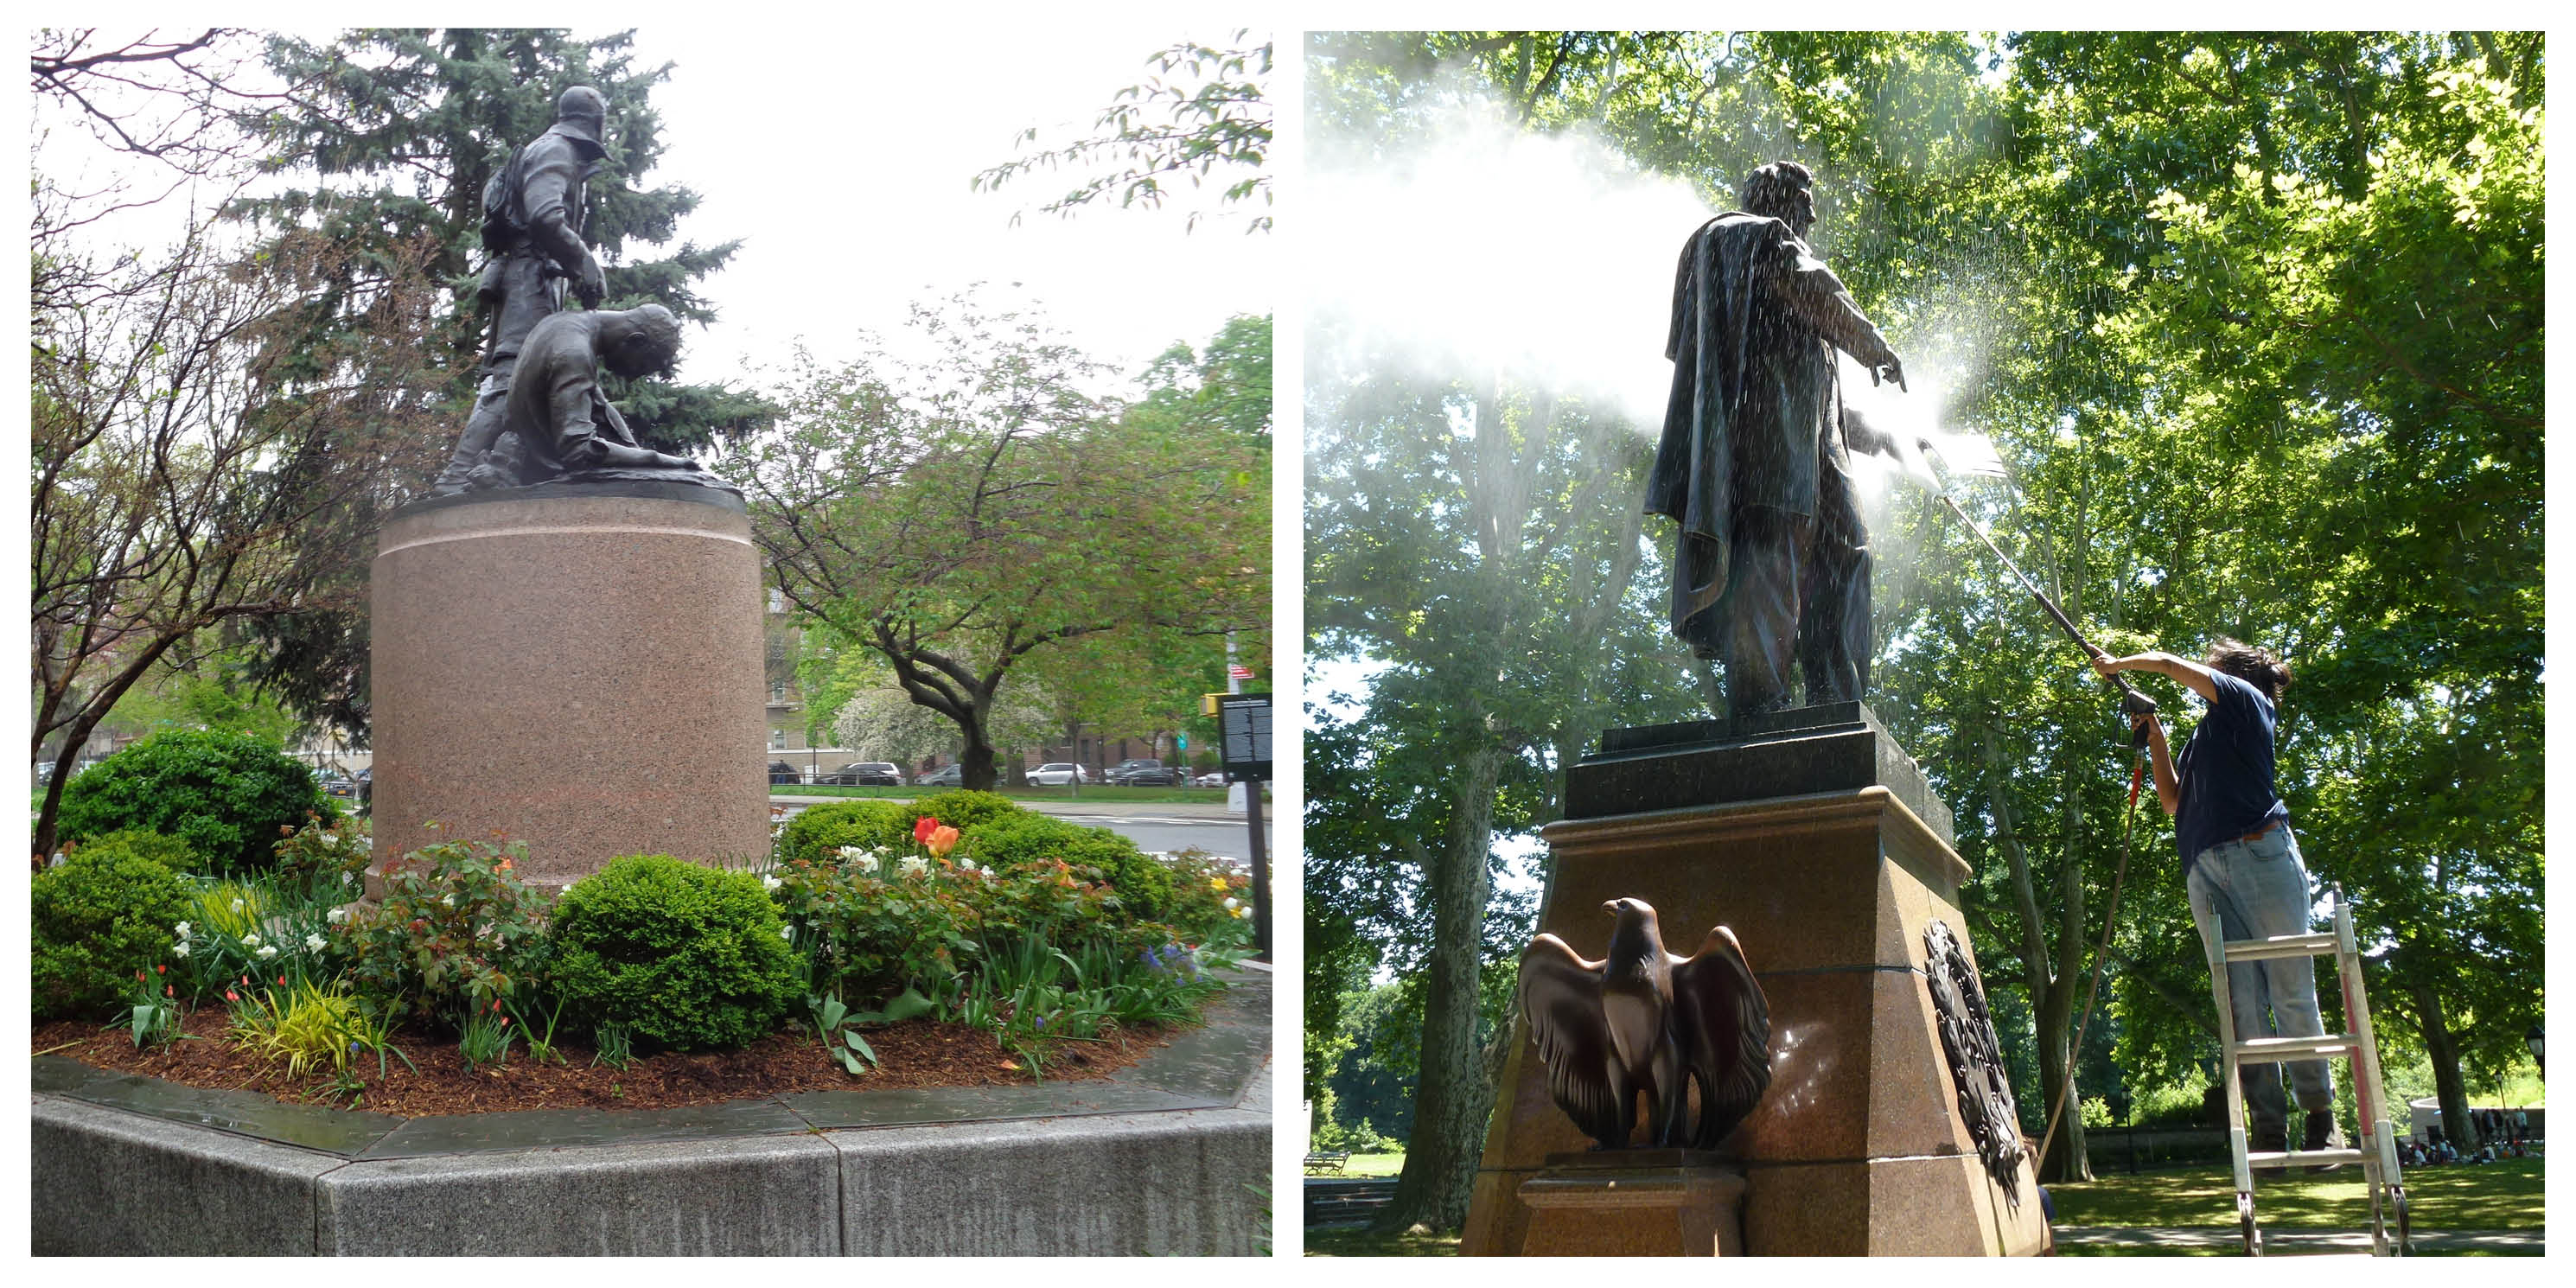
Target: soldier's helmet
x,y
583,114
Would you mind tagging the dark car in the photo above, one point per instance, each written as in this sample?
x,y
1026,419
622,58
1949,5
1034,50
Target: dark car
x,y
867,773
944,776
780,772
1142,772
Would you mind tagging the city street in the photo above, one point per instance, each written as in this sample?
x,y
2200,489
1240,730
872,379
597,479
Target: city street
x,y
1151,827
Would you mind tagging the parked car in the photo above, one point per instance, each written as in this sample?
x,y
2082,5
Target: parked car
x,y
945,776
1143,772
868,773
343,787
782,773
1212,778
1057,774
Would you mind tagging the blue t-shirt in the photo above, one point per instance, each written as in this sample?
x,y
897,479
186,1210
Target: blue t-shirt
x,y
2226,770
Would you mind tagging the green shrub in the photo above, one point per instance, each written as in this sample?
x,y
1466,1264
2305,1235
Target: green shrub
x,y
867,933
686,956
821,832
1143,884
818,834
227,796
1201,889
454,934
107,910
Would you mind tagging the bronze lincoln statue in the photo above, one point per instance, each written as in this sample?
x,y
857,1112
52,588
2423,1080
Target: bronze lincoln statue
x,y
1772,561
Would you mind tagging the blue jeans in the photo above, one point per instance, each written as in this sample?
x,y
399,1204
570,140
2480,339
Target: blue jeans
x,y
2260,889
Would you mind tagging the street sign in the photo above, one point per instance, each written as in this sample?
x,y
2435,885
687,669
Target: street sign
x,y
1244,722
1238,672
1180,742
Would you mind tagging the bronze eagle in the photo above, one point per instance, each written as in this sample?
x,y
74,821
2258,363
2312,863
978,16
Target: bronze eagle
x,y
1646,1021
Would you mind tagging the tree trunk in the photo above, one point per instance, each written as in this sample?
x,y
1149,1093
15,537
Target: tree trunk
x,y
2443,1050
982,767
1453,1099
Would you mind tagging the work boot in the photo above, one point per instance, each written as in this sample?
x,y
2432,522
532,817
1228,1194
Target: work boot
x,y
2269,1138
2323,1133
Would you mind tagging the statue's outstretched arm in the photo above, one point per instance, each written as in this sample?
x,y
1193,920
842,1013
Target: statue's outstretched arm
x,y
1816,297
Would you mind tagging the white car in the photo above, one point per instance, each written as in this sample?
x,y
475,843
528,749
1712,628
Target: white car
x,y
1056,775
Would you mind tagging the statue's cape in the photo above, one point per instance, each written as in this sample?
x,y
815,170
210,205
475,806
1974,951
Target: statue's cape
x,y
1709,343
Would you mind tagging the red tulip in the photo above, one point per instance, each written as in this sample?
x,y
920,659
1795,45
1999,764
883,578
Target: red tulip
x,y
923,826
505,1021
161,970
231,996
168,991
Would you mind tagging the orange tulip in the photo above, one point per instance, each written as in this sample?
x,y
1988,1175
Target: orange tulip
x,y
942,839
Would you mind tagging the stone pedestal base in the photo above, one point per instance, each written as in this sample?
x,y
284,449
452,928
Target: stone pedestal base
x,y
1634,1203
577,667
1816,840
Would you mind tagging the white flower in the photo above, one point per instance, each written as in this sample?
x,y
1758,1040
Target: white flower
x,y
250,941
853,853
769,882
180,948
236,905
181,929
1244,913
914,865
267,951
313,943
1232,903
787,932
448,899
337,915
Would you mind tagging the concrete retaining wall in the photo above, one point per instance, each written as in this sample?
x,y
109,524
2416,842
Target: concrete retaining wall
x,y
1171,1157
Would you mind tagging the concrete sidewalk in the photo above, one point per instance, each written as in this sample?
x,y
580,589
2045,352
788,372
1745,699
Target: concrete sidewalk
x,y
2293,1241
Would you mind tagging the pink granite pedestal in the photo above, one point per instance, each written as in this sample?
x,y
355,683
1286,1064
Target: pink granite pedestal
x,y
577,668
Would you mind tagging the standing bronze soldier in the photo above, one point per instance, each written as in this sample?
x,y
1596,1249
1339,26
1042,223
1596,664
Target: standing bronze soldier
x,y
1772,559
532,216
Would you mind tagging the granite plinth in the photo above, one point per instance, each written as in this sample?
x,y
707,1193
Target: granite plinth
x,y
580,669
1635,1203
1828,883
1171,1158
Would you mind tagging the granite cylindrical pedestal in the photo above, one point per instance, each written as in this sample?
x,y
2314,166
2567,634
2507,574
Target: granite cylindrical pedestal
x,y
579,668
1817,841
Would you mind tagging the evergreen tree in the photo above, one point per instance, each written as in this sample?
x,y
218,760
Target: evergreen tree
x,y
394,141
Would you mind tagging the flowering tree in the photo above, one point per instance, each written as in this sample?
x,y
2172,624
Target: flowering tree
x,y
961,514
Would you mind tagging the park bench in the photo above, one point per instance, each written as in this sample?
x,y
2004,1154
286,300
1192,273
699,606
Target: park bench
x,y
1327,1161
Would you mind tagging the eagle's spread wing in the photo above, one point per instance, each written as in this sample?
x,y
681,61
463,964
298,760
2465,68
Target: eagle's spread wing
x,y
1561,1003
1726,1033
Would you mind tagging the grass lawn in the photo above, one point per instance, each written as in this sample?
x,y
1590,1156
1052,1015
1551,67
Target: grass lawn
x,y
1349,1241
2498,1196
1096,794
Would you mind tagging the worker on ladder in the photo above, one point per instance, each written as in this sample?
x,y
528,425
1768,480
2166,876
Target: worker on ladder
x,y
2241,862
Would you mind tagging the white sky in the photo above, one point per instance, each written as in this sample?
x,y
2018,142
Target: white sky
x,y
842,157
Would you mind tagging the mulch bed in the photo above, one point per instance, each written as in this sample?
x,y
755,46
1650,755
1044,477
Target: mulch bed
x,y
916,1053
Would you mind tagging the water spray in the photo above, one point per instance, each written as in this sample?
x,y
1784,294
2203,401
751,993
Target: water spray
x,y
2141,709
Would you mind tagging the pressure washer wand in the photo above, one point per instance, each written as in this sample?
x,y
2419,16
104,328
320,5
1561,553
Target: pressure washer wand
x,y
2132,702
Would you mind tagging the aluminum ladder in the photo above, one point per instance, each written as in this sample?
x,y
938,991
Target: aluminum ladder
x,y
2377,1151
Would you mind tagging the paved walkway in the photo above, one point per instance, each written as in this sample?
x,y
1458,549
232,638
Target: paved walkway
x,y
2294,1241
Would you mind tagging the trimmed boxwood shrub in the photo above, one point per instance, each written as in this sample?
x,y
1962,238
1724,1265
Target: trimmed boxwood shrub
x,y
1143,884
998,833
686,957
819,833
227,796
108,910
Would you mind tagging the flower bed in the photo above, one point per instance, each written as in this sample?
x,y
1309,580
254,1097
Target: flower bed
x,y
885,948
